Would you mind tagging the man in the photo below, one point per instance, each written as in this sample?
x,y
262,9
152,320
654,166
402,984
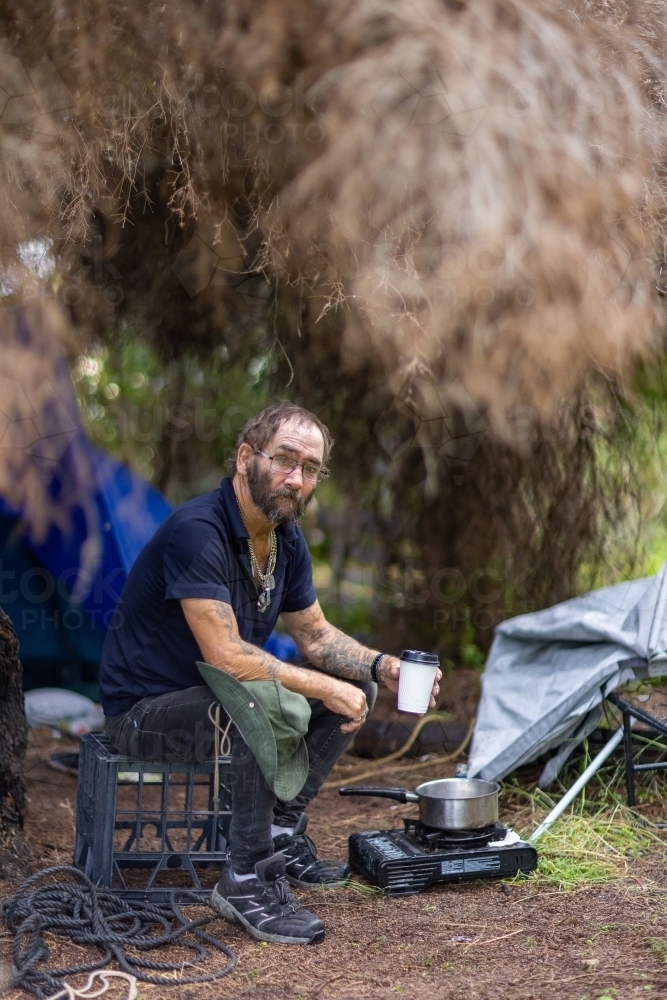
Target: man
x,y
210,585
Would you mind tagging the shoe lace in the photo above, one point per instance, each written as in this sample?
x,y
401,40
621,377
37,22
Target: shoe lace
x,y
303,844
283,894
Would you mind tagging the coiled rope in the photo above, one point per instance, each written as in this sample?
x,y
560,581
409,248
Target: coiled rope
x,y
118,927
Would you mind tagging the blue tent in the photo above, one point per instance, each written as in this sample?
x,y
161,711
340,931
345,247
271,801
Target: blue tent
x,y
61,635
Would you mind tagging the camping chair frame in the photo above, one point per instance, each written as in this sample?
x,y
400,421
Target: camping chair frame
x,y
630,713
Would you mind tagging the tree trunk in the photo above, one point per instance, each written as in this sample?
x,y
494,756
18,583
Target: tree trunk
x,y
13,740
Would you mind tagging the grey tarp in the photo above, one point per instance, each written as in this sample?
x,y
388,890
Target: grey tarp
x,y
548,672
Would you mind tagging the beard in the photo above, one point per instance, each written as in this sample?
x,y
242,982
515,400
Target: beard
x,y
280,506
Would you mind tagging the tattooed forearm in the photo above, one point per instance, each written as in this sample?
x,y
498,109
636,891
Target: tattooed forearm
x,y
262,666
327,647
343,656
214,626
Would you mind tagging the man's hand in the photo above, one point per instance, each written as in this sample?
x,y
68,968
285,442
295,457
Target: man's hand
x,y
338,654
346,699
389,671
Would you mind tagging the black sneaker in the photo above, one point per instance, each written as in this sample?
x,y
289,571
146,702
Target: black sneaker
x,y
265,905
302,865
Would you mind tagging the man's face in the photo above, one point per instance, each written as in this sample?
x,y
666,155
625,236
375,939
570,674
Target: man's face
x,y
281,497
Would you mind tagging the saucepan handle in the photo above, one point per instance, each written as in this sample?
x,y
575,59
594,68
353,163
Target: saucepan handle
x,y
400,794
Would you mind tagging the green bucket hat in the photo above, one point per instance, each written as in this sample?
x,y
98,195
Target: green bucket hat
x,y
272,720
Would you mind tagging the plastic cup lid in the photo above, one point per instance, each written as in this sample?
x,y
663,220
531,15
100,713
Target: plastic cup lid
x,y
417,656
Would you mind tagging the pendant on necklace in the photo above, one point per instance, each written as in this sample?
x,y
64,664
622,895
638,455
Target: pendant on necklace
x,y
264,598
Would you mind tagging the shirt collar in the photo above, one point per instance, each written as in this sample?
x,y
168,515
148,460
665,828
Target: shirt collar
x,y
289,532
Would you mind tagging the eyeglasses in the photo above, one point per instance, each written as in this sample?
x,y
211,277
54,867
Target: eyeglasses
x,y
285,465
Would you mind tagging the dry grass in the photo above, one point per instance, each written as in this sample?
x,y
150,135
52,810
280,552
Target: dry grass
x,y
484,197
477,183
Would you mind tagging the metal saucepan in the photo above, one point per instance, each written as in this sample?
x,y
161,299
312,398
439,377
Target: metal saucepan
x,y
448,804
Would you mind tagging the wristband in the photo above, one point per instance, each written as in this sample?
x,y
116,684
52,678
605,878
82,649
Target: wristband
x,y
374,667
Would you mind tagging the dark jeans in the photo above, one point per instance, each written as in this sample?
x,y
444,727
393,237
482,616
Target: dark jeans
x,y
176,727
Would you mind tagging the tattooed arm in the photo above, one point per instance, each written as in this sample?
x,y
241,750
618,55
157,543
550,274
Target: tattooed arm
x,y
331,650
214,626
327,647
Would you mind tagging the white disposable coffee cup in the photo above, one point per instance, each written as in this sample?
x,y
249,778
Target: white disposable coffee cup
x,y
415,681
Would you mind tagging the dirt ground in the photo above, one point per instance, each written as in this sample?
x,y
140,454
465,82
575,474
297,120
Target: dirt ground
x,y
485,940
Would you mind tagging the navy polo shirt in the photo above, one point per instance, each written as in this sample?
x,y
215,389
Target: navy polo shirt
x,y
201,550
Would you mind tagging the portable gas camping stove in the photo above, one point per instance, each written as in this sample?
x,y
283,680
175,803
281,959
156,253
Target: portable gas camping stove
x,y
404,862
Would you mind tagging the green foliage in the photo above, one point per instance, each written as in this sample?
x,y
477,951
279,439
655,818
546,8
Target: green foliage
x,y
361,889
354,619
174,422
634,454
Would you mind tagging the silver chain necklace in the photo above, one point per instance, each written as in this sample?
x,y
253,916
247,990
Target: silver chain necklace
x,y
267,579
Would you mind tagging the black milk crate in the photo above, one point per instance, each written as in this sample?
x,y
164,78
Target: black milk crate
x,y
161,818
